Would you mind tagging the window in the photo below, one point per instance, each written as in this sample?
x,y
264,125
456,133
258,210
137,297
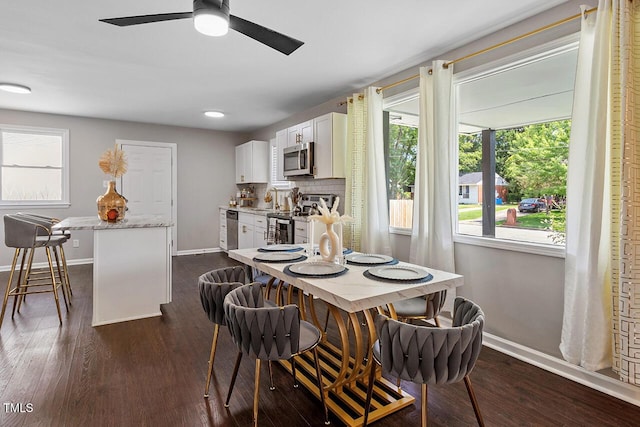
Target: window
x,y
273,169
513,127
34,166
401,147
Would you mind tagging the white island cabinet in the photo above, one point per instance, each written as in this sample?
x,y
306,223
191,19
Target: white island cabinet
x,y
131,266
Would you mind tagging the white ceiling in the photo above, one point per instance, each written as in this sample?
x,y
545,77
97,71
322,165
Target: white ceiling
x,y
168,73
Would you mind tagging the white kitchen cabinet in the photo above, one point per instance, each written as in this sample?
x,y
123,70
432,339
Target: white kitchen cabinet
x,y
252,162
223,229
300,235
330,137
252,230
302,132
260,231
246,230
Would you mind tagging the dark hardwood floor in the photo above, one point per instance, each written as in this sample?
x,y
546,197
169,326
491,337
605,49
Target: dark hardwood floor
x,y
151,372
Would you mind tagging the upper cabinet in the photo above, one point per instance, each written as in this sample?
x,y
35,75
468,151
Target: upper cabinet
x,y
330,137
329,133
299,133
252,165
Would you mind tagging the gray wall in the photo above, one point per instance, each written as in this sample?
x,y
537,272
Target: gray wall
x,y
521,294
206,172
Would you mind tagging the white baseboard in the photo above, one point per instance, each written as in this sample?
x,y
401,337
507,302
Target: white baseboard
x,y
605,384
79,261
199,251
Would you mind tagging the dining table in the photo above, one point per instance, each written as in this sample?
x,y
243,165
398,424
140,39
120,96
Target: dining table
x,y
353,289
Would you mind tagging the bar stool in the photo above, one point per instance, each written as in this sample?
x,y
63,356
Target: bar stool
x,y
22,235
57,245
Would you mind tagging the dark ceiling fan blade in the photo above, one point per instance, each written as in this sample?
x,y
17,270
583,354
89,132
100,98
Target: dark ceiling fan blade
x,y
264,35
146,19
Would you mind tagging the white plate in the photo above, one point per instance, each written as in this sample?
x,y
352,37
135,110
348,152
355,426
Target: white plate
x,y
282,247
399,273
317,268
277,256
369,258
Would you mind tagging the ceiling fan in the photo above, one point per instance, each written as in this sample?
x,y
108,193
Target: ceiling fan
x,y
211,17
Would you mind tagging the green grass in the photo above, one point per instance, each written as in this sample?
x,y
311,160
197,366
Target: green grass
x,y
475,212
537,220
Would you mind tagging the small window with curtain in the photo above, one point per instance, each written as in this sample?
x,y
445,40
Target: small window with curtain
x,y
34,166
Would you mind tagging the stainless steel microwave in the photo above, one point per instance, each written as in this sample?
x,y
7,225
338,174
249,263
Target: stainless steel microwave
x,y
298,160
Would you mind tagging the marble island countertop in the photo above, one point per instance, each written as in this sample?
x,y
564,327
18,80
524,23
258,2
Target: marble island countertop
x,y
130,221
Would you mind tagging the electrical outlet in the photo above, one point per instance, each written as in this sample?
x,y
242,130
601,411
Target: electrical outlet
x,y
76,243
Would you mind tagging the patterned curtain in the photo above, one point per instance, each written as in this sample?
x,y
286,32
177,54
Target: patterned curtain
x,y
625,134
366,187
355,191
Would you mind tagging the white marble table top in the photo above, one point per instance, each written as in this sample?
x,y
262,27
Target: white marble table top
x,y
94,223
352,291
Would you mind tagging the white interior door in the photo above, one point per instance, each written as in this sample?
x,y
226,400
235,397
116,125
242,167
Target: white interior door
x,y
149,184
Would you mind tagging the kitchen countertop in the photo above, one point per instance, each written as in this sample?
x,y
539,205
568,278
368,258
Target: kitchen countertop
x,y
263,211
94,223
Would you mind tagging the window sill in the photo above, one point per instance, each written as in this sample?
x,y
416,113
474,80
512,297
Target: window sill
x,y
21,205
511,245
503,244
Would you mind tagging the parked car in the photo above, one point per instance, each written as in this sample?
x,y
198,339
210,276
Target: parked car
x,y
532,205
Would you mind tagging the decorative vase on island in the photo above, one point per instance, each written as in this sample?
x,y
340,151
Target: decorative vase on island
x,y
111,205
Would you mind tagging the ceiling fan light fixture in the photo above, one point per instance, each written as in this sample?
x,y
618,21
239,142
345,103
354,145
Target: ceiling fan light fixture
x,y
211,19
14,88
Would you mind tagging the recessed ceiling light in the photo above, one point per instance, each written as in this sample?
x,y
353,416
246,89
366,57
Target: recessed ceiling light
x,y
216,114
14,88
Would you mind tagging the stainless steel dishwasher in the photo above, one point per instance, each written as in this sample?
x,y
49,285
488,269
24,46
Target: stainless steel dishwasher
x,y
232,229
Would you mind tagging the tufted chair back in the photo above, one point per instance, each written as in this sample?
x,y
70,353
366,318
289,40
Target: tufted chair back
x,y
435,302
214,286
267,333
426,355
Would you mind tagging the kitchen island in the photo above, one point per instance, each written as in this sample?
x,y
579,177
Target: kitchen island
x,y
131,266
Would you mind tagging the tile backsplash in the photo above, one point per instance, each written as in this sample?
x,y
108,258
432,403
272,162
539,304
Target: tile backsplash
x,y
307,186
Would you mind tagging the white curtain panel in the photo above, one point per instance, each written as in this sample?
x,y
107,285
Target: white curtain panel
x,y
434,204
586,328
375,227
624,102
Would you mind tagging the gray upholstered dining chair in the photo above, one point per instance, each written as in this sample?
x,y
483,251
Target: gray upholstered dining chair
x,y
425,307
25,237
214,287
269,333
427,355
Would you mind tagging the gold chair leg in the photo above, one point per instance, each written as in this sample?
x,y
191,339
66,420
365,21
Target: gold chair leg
x,y
66,271
23,280
6,292
53,283
474,401
233,379
424,410
293,372
437,322
256,392
64,287
316,360
271,386
212,356
367,405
